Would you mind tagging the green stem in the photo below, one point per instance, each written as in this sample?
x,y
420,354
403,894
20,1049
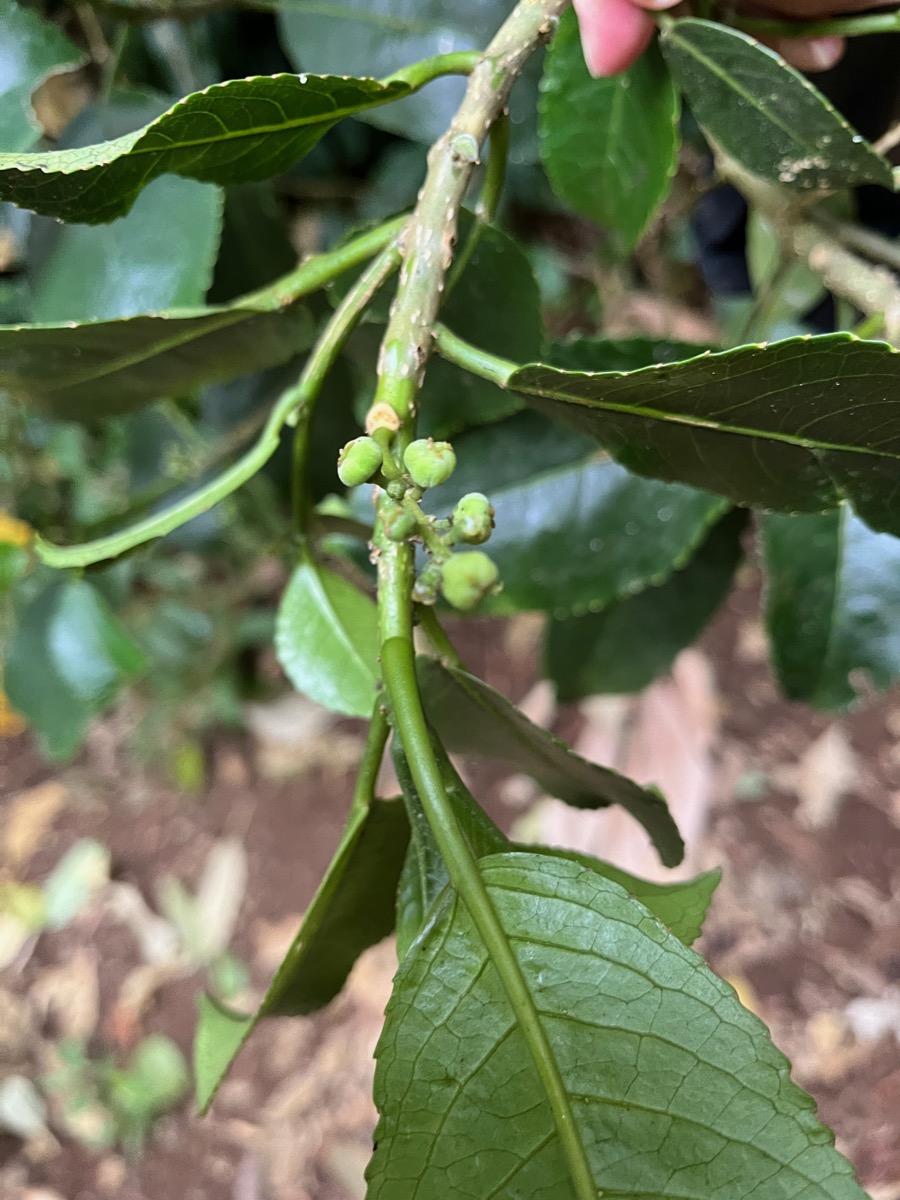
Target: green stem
x,y
398,665
888,22
495,171
472,359
870,327
199,463
376,740
428,241
437,635
754,324
286,412
418,74
300,505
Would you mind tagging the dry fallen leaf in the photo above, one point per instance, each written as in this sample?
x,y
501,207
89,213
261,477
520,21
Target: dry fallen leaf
x,y
824,775
873,1017
69,995
27,820
221,893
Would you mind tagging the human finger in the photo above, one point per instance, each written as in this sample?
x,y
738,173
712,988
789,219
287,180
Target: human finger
x,y
614,33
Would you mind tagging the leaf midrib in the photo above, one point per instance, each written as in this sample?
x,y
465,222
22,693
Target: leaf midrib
x,y
731,81
20,163
337,623
72,379
634,410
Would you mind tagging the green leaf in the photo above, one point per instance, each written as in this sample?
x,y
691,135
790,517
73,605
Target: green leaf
x,y
667,1086
352,910
32,50
628,644
471,718
832,606
256,246
108,368
765,114
378,37
794,426
576,538
234,132
609,146
326,639
581,353
159,256
66,659
681,906
218,1040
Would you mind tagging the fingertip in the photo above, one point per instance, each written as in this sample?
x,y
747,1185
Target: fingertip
x,y
614,33
657,5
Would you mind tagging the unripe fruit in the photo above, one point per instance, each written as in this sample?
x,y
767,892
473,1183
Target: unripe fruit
x,y
468,578
358,461
398,524
429,463
473,518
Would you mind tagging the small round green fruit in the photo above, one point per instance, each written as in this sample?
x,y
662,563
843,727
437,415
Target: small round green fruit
x,y
468,578
358,461
429,463
473,518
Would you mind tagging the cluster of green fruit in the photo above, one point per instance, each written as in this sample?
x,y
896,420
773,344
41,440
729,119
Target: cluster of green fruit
x,y
464,578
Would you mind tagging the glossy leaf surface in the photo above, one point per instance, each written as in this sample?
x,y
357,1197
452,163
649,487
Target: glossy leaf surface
x,y
795,426
326,639
609,146
234,132
574,531
626,645
160,256
352,910
765,114
66,659
472,718
32,50
576,538
671,1088
832,606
